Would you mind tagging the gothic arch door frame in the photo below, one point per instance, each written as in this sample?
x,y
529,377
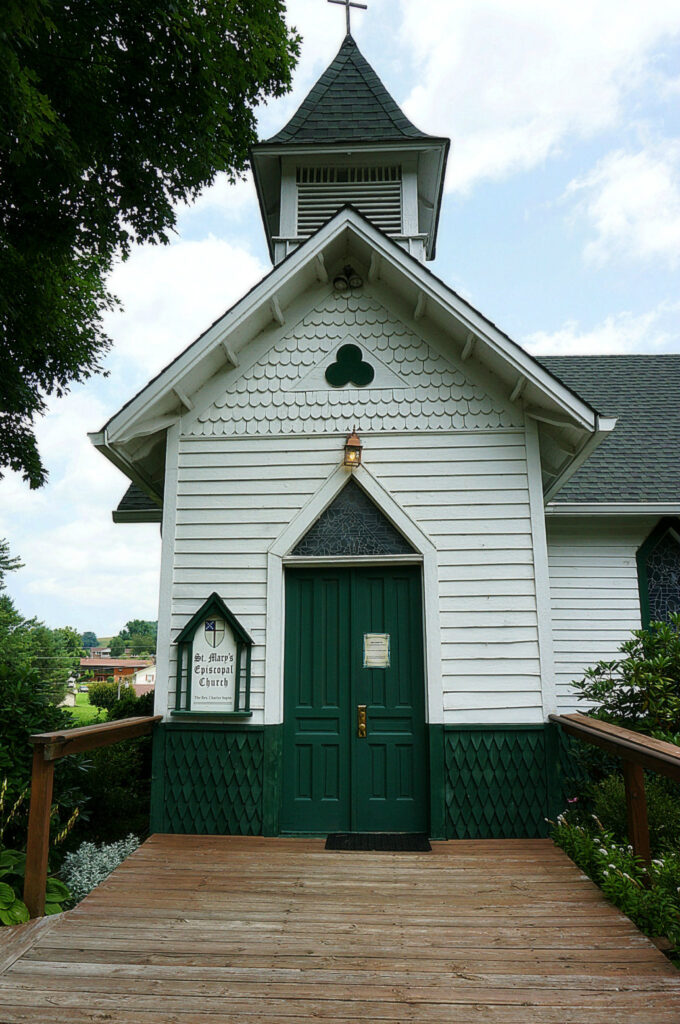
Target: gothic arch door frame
x,y
421,564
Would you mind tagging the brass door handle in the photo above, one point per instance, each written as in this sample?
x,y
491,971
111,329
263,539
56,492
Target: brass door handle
x,y
361,721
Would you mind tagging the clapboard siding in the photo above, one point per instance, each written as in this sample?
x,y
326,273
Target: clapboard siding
x,y
467,491
594,593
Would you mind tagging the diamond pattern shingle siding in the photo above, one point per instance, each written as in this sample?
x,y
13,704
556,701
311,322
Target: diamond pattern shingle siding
x,y
496,785
214,781
349,102
639,460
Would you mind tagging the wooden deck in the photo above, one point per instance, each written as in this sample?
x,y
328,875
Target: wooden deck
x,y
205,930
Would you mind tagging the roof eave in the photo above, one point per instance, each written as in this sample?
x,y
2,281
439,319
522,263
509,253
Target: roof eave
x,y
292,274
616,508
603,427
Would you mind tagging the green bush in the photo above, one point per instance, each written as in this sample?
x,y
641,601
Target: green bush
x,y
89,865
25,708
641,690
118,779
12,908
653,904
102,695
132,706
608,800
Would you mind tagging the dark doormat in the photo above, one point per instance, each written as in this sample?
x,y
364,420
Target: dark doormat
x,y
386,842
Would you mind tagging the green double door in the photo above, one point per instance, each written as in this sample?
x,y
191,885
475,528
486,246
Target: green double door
x,y
354,739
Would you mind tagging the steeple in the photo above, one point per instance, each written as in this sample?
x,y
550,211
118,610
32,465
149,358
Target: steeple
x,y
350,143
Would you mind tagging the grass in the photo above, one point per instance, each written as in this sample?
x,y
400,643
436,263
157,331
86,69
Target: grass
x,y
85,713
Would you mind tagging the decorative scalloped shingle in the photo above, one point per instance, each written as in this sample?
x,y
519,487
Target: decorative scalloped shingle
x,y
436,395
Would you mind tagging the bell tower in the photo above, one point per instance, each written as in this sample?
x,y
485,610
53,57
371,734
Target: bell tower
x,y
350,144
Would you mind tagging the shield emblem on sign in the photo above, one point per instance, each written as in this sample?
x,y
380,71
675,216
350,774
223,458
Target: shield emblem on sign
x,y
214,632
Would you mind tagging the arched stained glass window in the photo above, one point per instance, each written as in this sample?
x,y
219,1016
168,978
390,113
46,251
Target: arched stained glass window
x,y
659,572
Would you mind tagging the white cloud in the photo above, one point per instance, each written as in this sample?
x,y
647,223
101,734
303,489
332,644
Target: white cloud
x,y
171,294
80,567
632,201
511,82
655,331
236,200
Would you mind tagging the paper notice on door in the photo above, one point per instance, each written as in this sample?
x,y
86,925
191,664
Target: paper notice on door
x,y
376,650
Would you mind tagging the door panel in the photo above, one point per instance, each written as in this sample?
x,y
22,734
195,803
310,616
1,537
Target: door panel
x,y
316,731
389,783
332,779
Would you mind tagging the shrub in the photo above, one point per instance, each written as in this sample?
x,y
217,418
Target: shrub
x,y
102,695
90,864
653,905
132,706
26,708
608,799
118,780
641,690
12,908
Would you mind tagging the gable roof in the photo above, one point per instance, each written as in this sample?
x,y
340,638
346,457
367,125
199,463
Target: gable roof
x,y
640,460
134,438
348,103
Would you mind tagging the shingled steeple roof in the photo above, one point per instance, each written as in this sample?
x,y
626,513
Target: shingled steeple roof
x,y
348,103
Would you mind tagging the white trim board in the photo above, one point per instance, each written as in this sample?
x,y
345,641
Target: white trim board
x,y
541,571
279,555
623,508
168,530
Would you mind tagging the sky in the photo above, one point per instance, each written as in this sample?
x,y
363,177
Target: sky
x,y
560,223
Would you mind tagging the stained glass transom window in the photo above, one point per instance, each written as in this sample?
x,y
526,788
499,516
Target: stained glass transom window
x,y
663,578
353,525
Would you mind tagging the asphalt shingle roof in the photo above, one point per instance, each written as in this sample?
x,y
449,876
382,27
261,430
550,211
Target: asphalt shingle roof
x,y
135,500
349,102
639,461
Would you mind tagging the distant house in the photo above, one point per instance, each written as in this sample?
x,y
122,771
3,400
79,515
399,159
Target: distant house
x,y
144,680
119,668
99,652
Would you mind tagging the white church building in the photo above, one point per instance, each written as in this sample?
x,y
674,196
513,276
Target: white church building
x,y
391,538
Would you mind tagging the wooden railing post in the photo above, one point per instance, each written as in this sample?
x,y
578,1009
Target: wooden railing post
x,y
48,747
37,850
637,752
636,807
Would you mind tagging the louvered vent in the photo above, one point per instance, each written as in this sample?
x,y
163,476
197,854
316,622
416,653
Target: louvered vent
x,y
375,191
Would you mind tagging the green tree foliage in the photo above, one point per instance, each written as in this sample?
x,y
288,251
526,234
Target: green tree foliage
x,y
102,695
138,636
27,646
111,113
640,690
118,781
7,563
35,663
89,639
117,647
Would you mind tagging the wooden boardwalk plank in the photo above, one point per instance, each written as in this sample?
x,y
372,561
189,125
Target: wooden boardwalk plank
x,y
205,930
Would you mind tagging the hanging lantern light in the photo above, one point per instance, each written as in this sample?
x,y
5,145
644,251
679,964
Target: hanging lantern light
x,y
353,449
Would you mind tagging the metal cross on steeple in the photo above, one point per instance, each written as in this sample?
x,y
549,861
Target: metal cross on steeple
x,y
348,4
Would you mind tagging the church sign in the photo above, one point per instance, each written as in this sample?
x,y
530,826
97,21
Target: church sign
x,y
213,662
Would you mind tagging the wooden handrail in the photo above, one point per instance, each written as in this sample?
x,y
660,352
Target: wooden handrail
x,y
48,747
636,752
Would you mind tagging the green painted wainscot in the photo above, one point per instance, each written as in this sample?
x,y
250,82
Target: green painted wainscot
x,y
486,782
